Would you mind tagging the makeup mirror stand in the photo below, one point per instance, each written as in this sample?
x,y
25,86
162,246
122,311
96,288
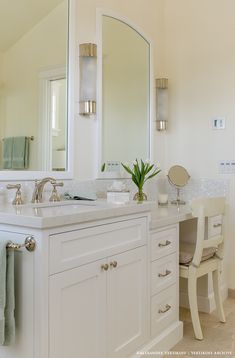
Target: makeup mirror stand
x,y
178,177
178,201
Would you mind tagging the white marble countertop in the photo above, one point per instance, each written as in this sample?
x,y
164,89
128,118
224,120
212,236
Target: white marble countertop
x,y
168,215
48,215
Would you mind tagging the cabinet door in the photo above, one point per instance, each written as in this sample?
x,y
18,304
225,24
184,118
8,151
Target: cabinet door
x,y
127,302
77,312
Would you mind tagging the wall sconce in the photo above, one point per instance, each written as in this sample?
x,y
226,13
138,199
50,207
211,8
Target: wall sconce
x,y
162,103
87,67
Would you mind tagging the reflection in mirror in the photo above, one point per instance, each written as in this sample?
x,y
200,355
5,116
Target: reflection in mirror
x,y
58,123
178,177
33,41
126,94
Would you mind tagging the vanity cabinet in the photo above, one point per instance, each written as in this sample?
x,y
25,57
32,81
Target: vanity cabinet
x,y
92,292
105,288
164,292
89,306
77,312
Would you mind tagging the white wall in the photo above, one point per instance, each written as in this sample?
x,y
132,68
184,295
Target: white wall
x,y
200,62
147,16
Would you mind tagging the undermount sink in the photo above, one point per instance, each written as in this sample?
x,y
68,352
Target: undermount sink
x,y
61,208
75,203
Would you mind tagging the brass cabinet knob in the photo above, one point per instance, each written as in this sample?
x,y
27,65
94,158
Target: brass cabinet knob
x,y
113,264
105,267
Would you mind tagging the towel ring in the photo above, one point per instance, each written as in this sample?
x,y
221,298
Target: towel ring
x,y
29,244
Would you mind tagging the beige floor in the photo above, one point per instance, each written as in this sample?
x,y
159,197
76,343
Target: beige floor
x,y
217,336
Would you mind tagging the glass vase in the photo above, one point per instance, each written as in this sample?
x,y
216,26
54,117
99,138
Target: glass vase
x,y
140,196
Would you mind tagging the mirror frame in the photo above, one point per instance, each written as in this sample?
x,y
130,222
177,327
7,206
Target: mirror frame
x,y
170,180
13,175
100,12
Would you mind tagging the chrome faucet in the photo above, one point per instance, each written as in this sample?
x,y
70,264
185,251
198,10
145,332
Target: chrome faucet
x,y
18,199
38,189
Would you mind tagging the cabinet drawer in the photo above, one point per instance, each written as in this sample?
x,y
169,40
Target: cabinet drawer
x,y
75,248
164,242
214,225
164,310
163,273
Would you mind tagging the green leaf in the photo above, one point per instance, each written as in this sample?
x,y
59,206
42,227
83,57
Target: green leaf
x,y
150,167
137,173
127,169
103,167
142,166
135,181
137,167
153,174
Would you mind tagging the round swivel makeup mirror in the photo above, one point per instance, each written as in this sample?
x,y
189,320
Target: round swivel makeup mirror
x,y
178,177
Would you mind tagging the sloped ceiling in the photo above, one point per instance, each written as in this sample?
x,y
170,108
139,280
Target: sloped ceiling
x,y
17,17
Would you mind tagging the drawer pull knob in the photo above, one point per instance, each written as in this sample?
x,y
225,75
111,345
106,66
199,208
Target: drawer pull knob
x,y
167,273
113,264
105,267
217,225
167,308
165,244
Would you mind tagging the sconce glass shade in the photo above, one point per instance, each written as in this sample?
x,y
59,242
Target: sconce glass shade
x,y
162,103
88,70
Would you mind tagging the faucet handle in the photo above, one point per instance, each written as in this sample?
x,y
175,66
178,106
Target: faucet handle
x,y
54,194
18,198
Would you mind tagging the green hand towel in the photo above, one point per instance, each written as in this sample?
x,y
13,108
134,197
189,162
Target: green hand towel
x,y
20,153
7,295
3,266
7,153
10,300
26,157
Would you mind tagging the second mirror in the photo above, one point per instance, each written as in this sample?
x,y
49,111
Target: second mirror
x,y
178,177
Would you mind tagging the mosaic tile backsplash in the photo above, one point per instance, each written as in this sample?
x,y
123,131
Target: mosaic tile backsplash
x,y
97,189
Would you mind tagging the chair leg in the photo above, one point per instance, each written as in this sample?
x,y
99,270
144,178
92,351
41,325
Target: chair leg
x,y
192,295
217,294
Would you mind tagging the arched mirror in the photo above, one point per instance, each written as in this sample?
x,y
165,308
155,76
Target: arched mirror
x,y
34,84
178,177
125,133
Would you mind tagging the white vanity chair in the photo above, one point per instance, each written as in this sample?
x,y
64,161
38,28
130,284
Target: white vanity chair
x,y
206,256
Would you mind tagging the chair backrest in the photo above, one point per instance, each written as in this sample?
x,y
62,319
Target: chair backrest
x,y
205,209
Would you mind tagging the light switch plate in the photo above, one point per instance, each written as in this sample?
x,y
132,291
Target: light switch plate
x,y
113,166
218,123
226,167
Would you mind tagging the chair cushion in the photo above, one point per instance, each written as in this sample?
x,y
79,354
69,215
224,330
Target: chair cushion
x,y
187,252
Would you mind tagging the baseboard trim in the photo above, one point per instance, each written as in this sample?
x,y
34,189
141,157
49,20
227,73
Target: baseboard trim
x,y
164,341
205,304
231,292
